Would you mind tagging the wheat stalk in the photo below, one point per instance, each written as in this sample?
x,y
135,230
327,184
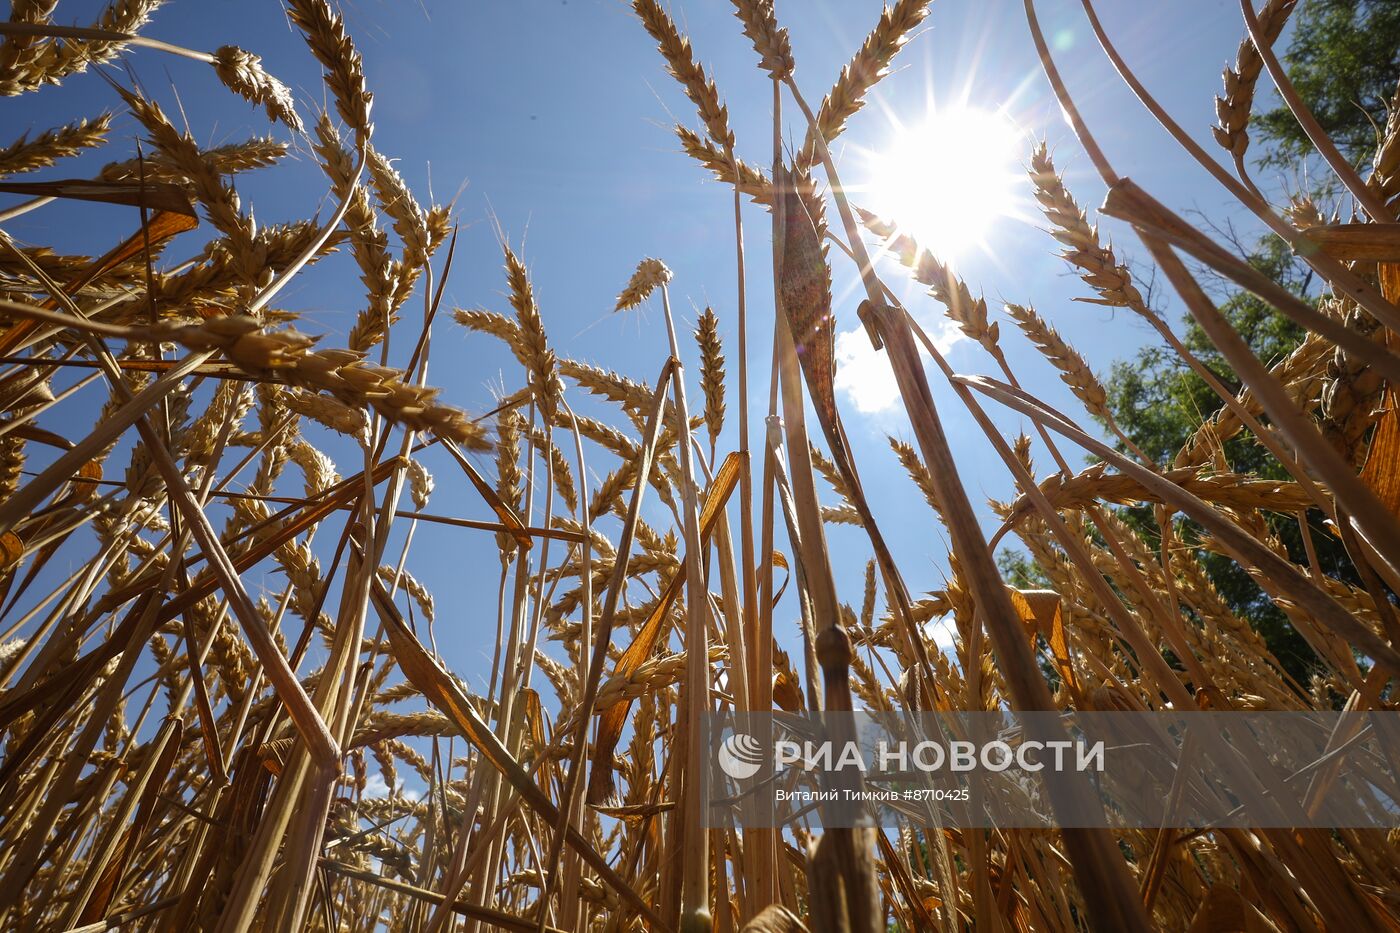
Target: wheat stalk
x,y
1098,267
151,773
325,35
1074,371
680,61
26,155
242,73
711,373
869,65
769,40
732,171
1233,109
535,353
967,311
649,275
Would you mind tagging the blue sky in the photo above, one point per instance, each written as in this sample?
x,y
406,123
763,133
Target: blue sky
x,y
549,120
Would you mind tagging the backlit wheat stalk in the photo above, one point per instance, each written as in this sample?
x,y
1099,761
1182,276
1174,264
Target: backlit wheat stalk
x,y
184,749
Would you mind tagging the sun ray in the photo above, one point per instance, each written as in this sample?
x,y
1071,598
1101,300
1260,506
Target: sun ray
x,y
948,179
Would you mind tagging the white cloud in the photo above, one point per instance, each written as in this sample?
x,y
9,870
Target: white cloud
x,y
375,786
943,633
865,376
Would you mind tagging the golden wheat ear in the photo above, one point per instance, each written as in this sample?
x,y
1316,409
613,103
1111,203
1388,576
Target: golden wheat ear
x,y
225,626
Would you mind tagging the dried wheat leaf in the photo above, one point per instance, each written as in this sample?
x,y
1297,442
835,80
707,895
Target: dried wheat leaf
x,y
11,550
805,291
613,719
775,918
1042,613
155,196
443,691
1374,242
162,226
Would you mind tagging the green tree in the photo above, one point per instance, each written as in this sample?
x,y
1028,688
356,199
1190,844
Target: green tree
x,y
1159,402
1343,57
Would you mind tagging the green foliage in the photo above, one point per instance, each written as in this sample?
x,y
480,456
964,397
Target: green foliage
x,y
1343,57
1160,402
1021,572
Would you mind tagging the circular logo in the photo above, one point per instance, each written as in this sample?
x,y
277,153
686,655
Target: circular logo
x,y
740,756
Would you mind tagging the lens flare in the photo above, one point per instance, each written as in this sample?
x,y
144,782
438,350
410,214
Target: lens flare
x,y
947,180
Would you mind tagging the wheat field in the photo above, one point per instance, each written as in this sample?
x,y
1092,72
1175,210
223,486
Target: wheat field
x,y
172,758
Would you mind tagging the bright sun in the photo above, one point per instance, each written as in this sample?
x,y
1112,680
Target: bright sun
x,y
946,181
